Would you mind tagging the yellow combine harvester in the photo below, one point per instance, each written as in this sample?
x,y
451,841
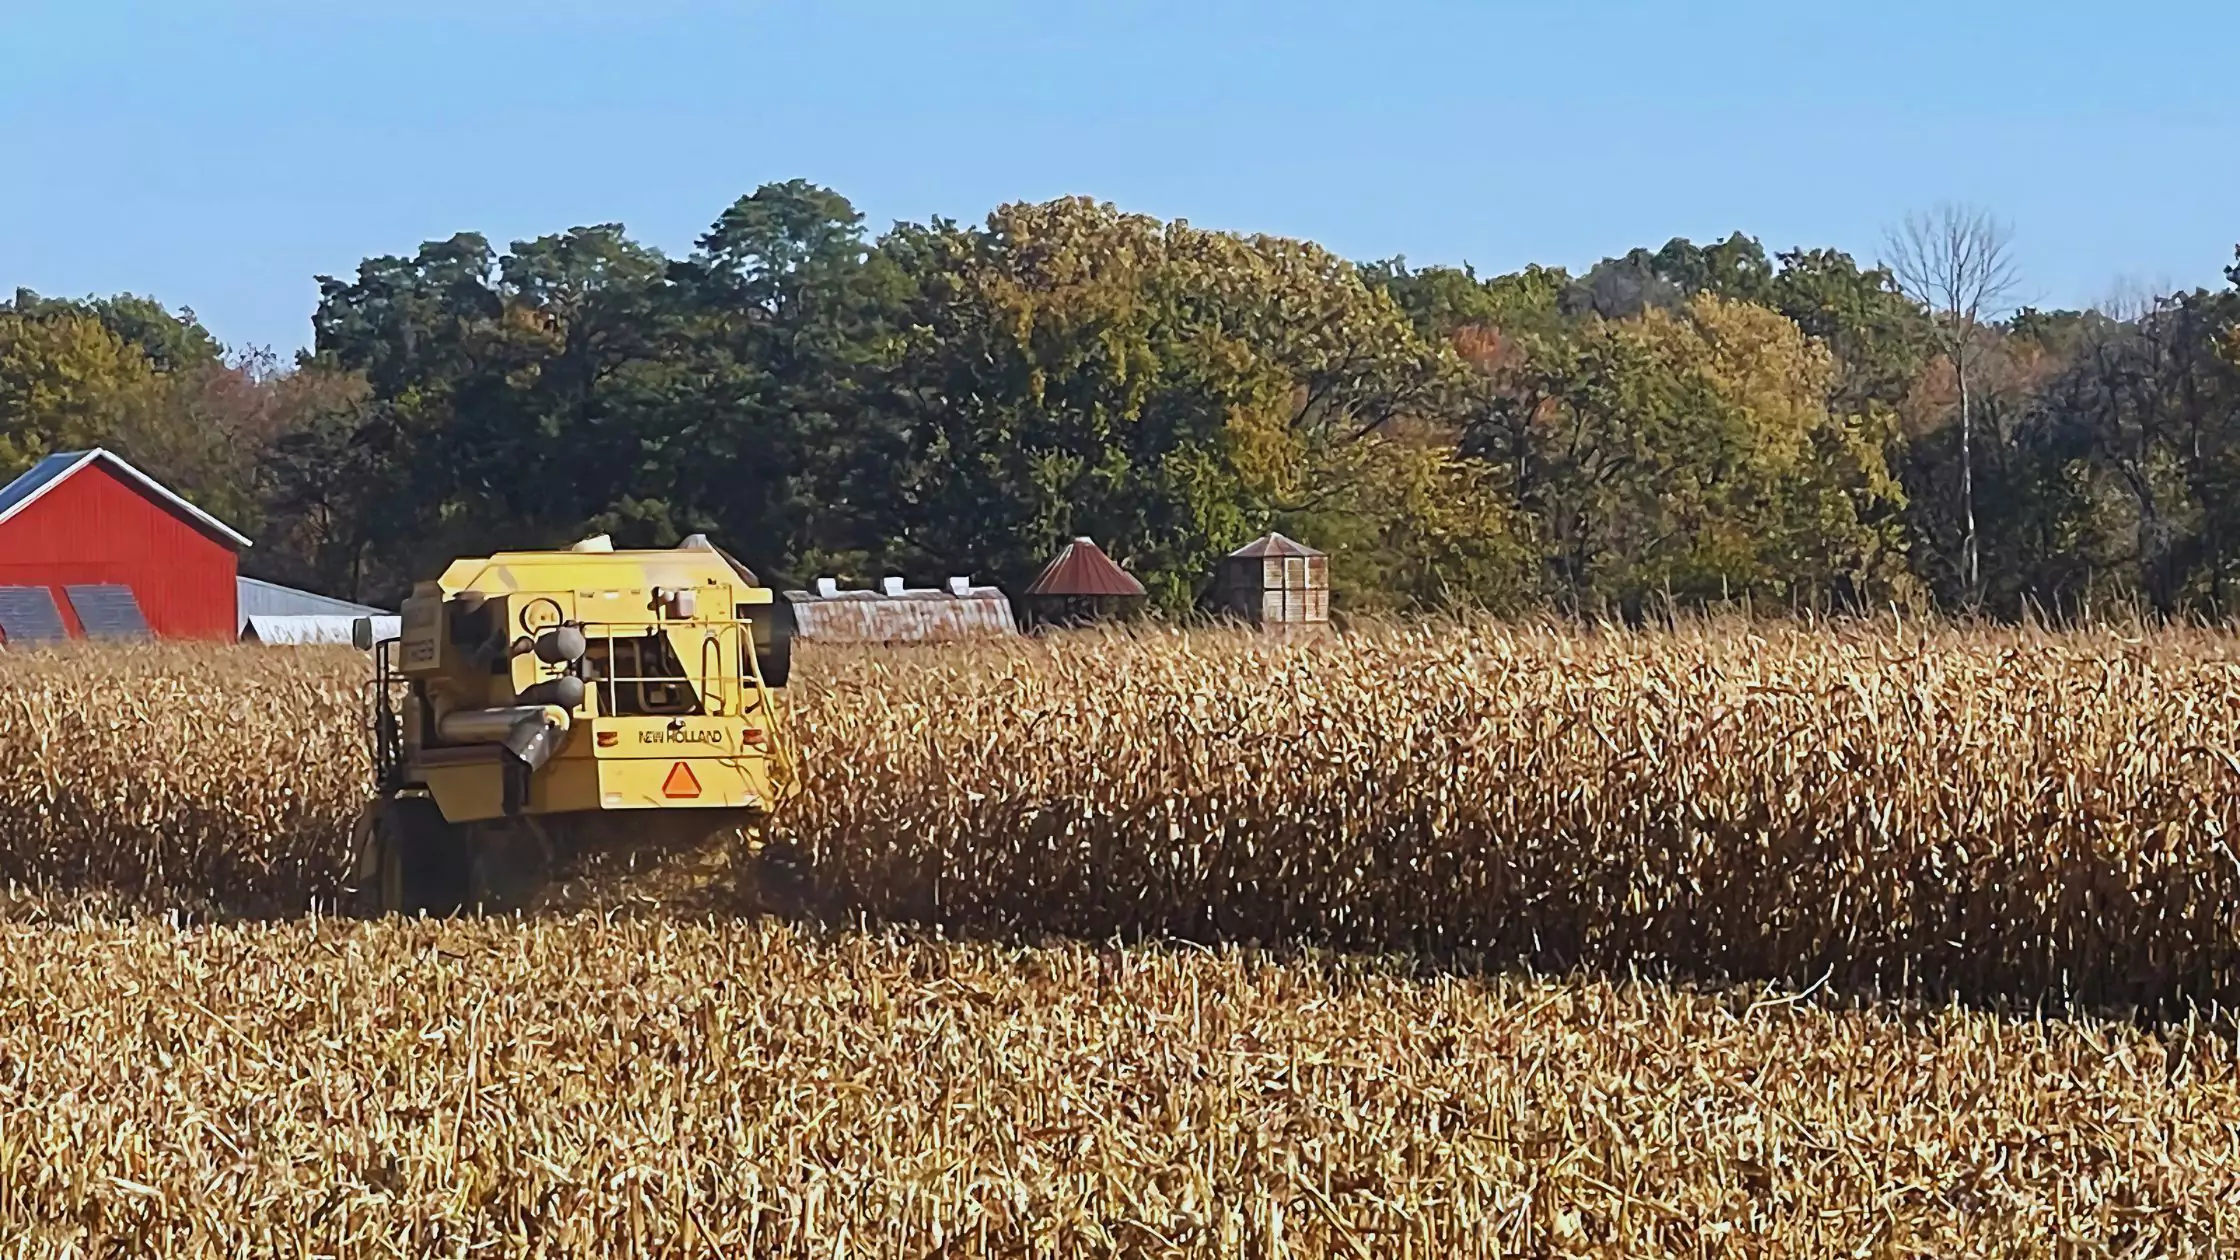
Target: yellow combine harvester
x,y
537,704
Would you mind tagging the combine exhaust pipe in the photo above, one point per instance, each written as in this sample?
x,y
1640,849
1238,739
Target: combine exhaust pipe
x,y
531,732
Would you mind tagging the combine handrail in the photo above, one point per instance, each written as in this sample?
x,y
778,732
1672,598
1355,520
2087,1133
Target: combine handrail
x,y
607,630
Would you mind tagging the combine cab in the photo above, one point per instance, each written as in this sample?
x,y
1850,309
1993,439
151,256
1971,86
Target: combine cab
x,y
539,704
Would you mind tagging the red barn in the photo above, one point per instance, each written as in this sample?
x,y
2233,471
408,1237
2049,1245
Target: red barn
x,y
91,546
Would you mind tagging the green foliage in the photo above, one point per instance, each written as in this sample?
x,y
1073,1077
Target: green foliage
x,y
1693,455
66,383
1164,389
172,343
1686,424
1444,301
127,374
1411,524
1880,339
1735,268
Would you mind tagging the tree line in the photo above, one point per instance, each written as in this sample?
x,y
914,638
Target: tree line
x,y
1680,426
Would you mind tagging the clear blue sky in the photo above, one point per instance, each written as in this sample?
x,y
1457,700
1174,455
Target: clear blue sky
x,y
220,153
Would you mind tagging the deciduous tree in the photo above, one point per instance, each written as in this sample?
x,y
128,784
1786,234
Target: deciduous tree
x,y
1955,262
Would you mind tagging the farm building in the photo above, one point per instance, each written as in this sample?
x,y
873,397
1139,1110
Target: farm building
x,y
1276,583
92,547
1081,583
897,614
259,598
315,630
274,614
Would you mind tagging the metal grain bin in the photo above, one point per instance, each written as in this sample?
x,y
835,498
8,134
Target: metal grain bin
x,y
1082,584
1275,582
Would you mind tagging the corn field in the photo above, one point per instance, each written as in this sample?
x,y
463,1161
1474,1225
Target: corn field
x,y
219,779
1477,856
575,1086
1991,814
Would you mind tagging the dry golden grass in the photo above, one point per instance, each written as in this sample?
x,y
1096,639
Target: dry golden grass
x,y
587,1086
1988,813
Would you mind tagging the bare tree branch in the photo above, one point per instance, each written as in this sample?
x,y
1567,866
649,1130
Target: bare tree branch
x,y
1955,262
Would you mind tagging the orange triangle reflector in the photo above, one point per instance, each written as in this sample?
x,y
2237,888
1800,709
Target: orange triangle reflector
x,y
680,782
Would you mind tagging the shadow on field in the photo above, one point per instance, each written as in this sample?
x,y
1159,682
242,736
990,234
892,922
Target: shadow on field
x,y
1563,935
781,882
1564,931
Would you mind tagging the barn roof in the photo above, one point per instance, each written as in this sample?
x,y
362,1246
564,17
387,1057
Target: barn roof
x,y
1083,570
895,614
257,598
63,465
1272,545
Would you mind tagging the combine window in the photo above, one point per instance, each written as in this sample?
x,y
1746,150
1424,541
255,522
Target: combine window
x,y
640,677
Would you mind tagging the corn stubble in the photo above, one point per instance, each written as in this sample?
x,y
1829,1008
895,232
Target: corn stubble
x,y
641,1086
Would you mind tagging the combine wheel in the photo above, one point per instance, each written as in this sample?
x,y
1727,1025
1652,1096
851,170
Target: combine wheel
x,y
411,860
510,865
772,876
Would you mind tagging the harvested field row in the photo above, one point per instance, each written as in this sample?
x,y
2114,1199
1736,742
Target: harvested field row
x,y
1987,813
588,1086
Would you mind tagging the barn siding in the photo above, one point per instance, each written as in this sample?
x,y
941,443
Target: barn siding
x,y
95,527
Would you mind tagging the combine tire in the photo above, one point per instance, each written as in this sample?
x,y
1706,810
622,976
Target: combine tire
x,y
509,867
413,861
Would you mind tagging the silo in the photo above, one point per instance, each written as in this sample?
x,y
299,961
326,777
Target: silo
x,y
1275,583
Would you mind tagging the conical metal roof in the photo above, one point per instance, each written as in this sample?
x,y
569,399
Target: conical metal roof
x,y
1083,571
1272,545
